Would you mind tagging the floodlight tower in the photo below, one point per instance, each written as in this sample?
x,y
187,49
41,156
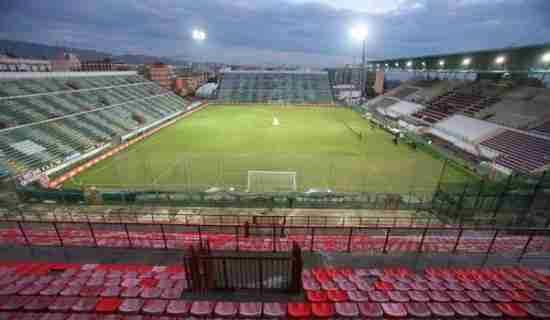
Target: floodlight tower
x,y
360,33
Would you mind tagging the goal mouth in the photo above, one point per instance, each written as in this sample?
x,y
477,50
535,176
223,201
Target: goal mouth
x,y
271,181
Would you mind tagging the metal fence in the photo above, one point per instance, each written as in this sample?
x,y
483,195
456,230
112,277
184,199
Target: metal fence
x,y
381,239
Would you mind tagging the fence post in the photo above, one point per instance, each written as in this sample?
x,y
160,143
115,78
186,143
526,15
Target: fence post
x,y
163,236
388,230
200,236
92,233
128,235
524,250
349,238
312,238
58,234
458,239
237,237
492,242
23,233
422,240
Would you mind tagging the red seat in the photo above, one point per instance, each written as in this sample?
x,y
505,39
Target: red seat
x,y
32,290
518,296
538,296
226,309
459,296
419,286
395,310
84,305
110,292
439,296
337,296
39,303
154,306
381,285
130,305
70,291
274,309
178,308
90,291
316,296
171,293
511,310
498,296
398,296
418,310
299,310
310,284
250,309
151,293
378,296
441,309
464,309
346,309
357,296
108,305
202,308
62,304
370,310
487,309
51,316
478,296
322,310
131,292
418,296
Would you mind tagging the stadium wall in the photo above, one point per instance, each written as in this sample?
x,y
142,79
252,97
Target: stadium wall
x,y
147,131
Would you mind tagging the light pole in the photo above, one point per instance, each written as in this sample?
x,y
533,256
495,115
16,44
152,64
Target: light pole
x,y
360,33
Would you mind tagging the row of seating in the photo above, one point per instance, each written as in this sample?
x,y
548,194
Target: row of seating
x,y
16,307
543,129
520,151
21,87
268,87
395,292
452,103
150,236
128,103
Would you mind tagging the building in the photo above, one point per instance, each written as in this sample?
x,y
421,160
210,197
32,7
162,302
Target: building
x,y
66,62
162,74
14,64
97,65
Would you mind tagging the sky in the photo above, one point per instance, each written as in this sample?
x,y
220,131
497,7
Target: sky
x,y
302,32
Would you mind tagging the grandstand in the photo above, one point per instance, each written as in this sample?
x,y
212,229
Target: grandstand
x,y
274,86
51,119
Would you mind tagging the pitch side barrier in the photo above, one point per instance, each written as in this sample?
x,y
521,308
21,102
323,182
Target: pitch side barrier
x,y
511,242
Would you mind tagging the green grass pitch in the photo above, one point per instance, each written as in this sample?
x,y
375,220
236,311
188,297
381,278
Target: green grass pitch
x,y
216,147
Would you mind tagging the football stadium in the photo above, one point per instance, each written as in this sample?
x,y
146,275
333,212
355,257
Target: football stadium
x,y
414,187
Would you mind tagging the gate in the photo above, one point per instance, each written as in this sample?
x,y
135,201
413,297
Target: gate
x,y
267,272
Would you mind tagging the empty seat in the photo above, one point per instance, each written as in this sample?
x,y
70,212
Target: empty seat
x,y
108,305
396,310
274,309
298,310
154,306
131,305
250,309
202,308
346,309
178,308
418,310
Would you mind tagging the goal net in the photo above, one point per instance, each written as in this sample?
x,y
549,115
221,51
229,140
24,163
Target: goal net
x,y
271,181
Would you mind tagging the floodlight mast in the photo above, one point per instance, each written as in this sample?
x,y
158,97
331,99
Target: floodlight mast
x,y
360,33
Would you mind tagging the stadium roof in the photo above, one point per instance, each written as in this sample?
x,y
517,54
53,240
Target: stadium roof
x,y
515,59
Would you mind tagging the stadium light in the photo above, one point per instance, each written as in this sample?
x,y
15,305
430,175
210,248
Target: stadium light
x,y
409,64
359,32
500,60
423,63
466,62
199,35
397,64
441,63
386,65
546,58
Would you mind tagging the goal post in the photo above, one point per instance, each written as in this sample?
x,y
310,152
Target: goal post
x,y
271,181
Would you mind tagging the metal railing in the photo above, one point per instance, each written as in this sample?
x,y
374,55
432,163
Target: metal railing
x,y
515,242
